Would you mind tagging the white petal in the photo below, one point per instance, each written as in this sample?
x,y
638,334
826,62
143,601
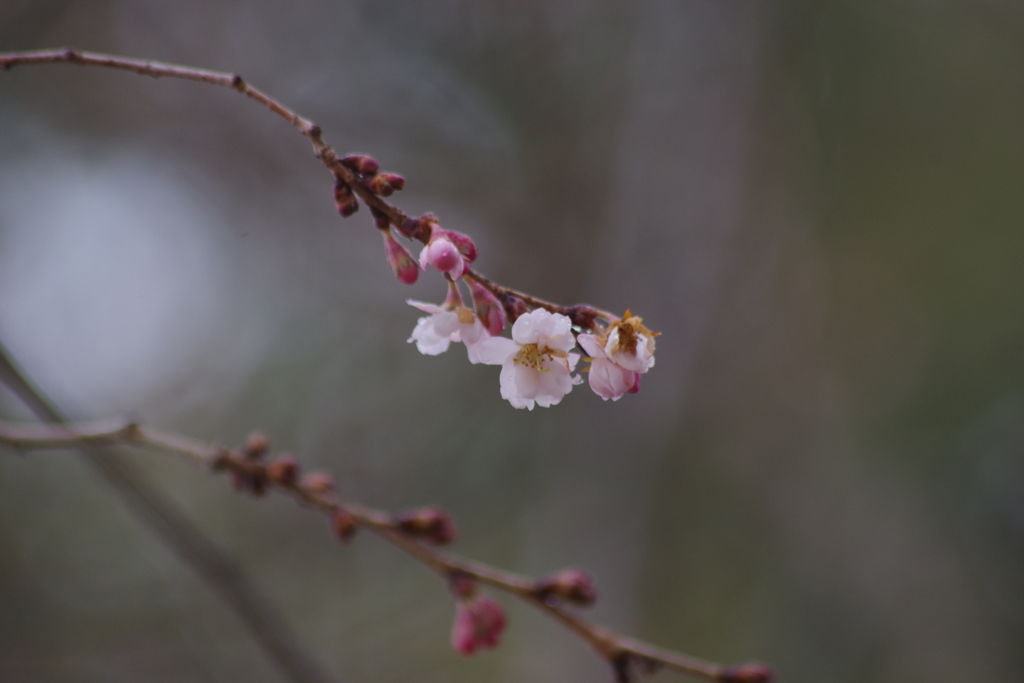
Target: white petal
x,y
591,346
424,306
495,351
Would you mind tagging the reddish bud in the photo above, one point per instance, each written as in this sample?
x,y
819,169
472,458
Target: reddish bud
x,y
582,316
344,200
514,307
283,470
747,673
464,243
401,261
343,524
380,219
569,585
318,482
256,446
478,624
385,184
636,384
488,308
430,523
361,163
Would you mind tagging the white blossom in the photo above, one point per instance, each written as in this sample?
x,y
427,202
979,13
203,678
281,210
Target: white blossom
x,y
536,364
435,333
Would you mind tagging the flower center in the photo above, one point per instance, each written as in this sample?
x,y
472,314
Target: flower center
x,y
532,356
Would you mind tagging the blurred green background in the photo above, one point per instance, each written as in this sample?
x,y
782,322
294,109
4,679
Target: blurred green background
x,y
819,204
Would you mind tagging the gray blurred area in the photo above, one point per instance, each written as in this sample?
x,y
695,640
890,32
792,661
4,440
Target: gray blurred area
x,y
819,204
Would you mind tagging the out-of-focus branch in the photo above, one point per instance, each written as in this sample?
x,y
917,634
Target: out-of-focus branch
x,y
413,532
583,315
184,539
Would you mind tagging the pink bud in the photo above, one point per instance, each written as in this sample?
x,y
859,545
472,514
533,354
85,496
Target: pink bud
x,y
400,260
478,624
488,308
431,524
465,244
442,254
570,585
361,163
344,200
385,184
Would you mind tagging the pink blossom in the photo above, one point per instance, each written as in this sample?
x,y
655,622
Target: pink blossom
x,y
478,624
607,379
536,365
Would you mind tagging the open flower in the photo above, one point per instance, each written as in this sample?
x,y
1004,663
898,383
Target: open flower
x,y
629,344
435,333
536,365
607,379
452,322
478,623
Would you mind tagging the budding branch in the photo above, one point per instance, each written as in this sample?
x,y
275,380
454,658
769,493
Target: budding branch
x,y
252,466
581,314
251,470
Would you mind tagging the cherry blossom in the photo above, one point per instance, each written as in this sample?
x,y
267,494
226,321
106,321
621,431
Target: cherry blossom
x,y
435,333
630,345
536,365
607,379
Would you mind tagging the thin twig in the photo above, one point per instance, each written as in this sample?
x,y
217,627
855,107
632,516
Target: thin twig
x,y
623,652
583,314
174,529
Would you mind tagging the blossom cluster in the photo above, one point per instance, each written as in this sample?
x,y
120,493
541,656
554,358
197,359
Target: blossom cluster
x,y
538,361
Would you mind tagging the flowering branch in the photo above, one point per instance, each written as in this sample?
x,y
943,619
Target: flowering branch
x,y
536,369
416,532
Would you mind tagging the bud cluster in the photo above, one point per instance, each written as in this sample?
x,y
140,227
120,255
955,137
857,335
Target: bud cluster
x,y
431,524
572,586
538,362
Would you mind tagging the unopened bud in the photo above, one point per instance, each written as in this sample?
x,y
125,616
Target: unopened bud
x,y
464,243
488,308
401,261
568,585
582,316
430,523
256,446
747,673
318,482
385,184
283,470
442,254
514,307
361,163
479,623
344,524
344,200
380,219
